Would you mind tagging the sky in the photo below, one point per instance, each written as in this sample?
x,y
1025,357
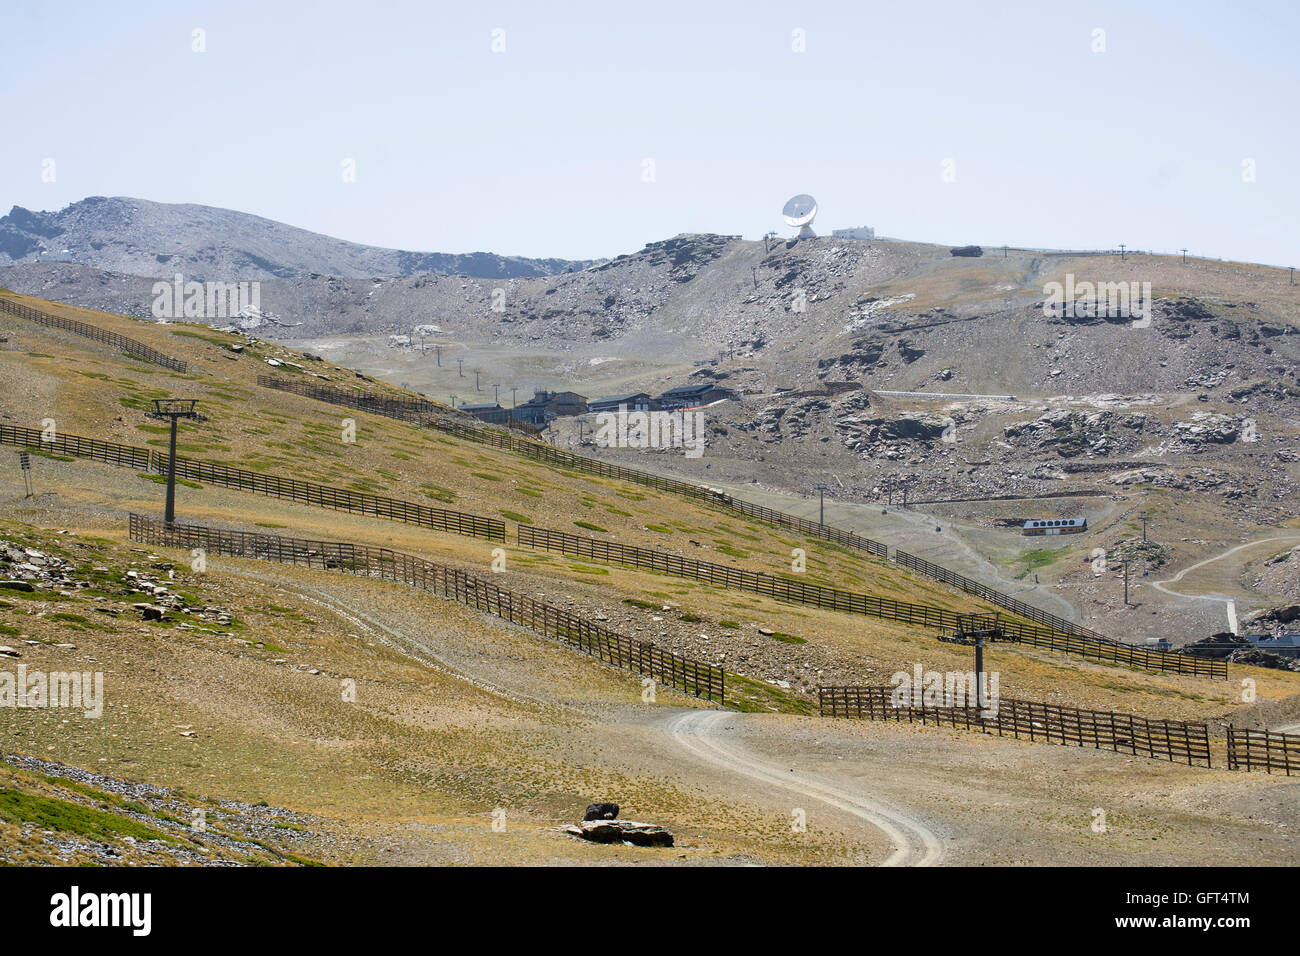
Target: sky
x,y
586,130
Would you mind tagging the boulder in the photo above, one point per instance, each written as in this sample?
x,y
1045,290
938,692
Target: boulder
x,y
601,811
622,831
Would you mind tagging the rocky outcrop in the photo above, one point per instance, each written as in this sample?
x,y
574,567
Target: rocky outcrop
x,y
622,831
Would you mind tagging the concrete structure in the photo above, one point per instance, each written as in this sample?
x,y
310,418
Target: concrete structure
x,y
489,412
545,406
1283,645
636,402
692,396
857,232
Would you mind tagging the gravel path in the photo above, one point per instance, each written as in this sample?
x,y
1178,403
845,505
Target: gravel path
x,y
704,734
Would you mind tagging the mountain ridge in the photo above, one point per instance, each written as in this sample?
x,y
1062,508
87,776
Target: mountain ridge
x,y
146,238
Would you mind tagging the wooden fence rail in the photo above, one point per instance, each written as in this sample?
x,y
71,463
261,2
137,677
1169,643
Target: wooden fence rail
x,y
415,410
58,443
428,414
339,499
306,492
971,586
836,599
129,346
1263,750
434,417
1173,740
673,670
494,529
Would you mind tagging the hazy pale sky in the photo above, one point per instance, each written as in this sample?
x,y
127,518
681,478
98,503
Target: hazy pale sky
x,y
602,126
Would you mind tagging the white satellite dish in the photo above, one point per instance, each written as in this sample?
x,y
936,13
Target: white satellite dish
x,y
799,212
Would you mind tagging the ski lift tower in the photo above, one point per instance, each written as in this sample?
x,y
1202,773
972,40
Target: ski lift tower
x,y
173,410
975,630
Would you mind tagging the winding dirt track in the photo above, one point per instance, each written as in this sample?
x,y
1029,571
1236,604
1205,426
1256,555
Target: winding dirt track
x,y
700,732
1229,603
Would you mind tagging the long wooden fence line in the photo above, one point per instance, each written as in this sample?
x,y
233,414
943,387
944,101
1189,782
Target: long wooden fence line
x,y
416,410
426,413
57,442
339,499
1056,633
429,414
1172,740
306,492
129,346
673,670
971,586
1263,750
836,599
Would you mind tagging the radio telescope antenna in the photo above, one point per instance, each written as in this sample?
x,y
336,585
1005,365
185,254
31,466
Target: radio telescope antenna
x,y
799,212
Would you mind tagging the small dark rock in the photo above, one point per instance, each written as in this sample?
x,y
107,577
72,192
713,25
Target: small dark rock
x,y
601,811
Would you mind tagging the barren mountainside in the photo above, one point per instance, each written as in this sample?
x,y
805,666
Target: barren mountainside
x,y
143,238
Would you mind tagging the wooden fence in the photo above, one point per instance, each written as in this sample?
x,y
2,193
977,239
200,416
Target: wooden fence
x,y
1263,750
415,410
58,443
1173,740
836,599
306,492
673,670
426,413
492,529
339,499
970,586
129,346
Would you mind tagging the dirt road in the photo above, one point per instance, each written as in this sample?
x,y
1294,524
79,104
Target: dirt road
x,y
705,735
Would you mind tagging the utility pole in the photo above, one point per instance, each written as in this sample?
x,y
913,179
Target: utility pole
x,y
513,400
460,367
173,409
1121,252
821,507
1126,583
1004,252
476,388
1145,519
453,400
1184,252
754,270
1292,282
437,350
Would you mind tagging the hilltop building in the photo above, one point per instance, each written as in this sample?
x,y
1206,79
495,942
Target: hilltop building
x,y
636,402
489,412
545,406
693,396
857,232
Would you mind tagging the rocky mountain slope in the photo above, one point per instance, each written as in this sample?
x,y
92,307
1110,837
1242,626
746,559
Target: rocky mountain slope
x,y
142,238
